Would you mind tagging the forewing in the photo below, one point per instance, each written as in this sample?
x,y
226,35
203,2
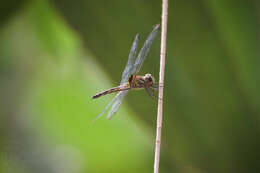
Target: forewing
x,y
145,49
117,103
131,60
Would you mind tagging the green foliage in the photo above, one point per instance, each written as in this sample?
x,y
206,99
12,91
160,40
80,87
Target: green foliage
x,y
60,77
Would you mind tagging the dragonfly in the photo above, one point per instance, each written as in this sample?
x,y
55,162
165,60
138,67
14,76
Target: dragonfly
x,y
130,80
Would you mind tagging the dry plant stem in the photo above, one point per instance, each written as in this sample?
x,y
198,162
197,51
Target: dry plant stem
x,y
161,81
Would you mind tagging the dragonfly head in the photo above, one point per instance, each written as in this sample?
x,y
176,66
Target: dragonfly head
x,y
149,79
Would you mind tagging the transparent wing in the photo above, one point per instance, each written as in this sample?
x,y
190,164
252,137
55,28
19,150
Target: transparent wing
x,y
131,60
115,102
144,51
120,97
108,105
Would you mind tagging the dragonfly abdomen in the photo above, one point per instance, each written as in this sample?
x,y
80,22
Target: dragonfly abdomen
x,y
112,90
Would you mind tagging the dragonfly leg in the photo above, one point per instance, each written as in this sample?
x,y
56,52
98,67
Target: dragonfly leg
x,y
148,92
155,86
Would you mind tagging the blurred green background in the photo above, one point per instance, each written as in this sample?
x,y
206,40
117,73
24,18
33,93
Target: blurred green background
x,y
54,55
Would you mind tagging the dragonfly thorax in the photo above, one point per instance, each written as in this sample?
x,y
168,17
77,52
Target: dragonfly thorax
x,y
139,82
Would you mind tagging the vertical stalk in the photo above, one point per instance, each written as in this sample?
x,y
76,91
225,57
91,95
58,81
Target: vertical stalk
x,y
161,82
